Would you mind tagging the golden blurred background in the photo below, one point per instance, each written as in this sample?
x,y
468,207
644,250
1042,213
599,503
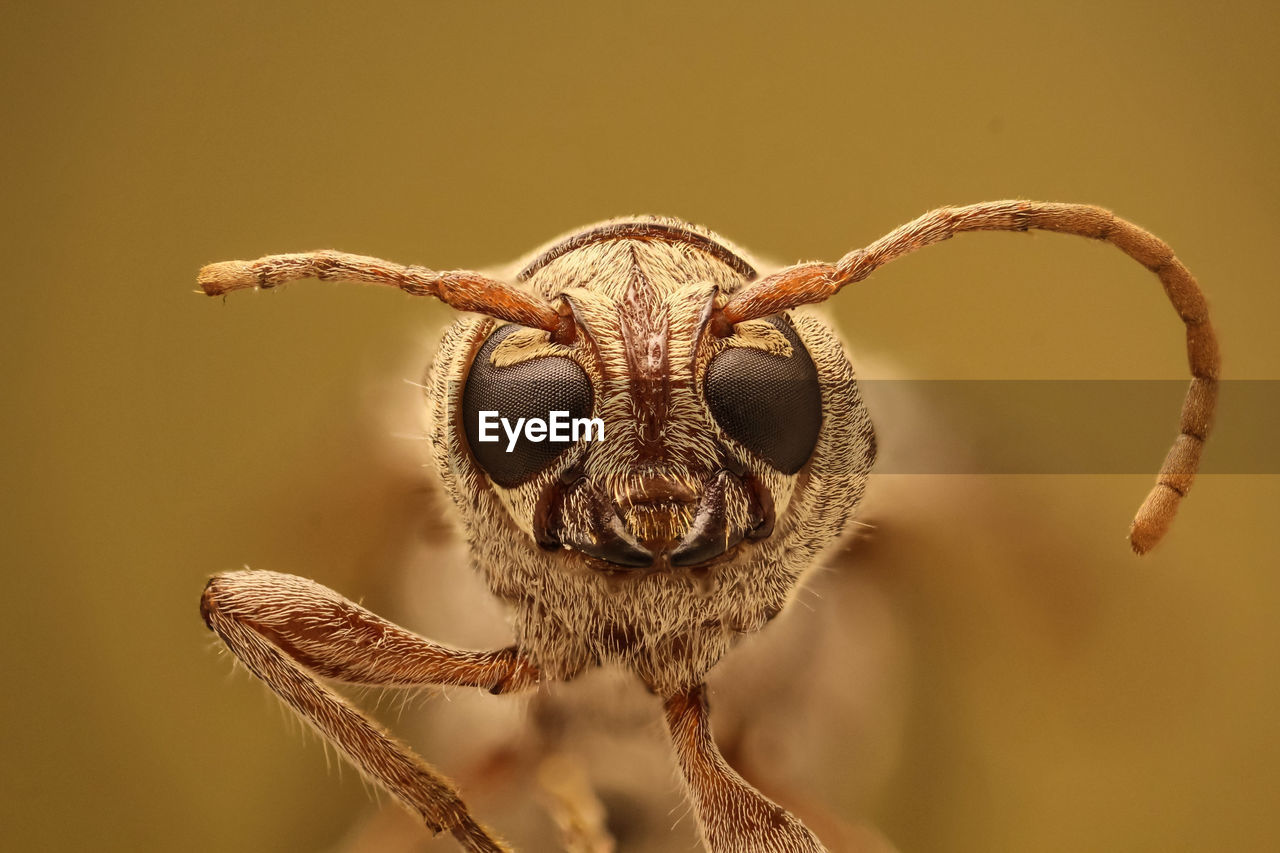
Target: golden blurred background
x,y
154,437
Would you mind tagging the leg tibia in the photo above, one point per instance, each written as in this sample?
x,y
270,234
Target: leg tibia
x,y
286,630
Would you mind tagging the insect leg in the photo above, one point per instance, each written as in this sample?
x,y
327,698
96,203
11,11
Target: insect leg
x,y
734,817
290,631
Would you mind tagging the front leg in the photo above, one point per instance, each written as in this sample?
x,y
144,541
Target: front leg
x,y
734,817
288,630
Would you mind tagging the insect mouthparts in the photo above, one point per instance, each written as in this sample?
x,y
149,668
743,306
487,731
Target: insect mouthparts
x,y
611,320
647,490
652,521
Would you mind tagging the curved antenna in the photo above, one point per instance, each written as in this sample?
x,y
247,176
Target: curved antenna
x,y
460,289
805,284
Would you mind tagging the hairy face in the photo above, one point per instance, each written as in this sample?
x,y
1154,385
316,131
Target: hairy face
x,y
726,463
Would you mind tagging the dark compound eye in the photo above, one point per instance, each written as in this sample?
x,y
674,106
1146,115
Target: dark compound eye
x,y
770,404
530,389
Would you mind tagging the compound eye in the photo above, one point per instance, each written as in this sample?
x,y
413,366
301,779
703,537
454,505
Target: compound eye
x,y
770,404
529,389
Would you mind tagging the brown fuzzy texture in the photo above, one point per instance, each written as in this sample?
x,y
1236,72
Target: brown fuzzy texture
x,y
733,816
668,626
289,631
642,306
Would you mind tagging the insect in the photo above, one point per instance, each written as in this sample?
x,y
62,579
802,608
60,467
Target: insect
x,y
736,450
